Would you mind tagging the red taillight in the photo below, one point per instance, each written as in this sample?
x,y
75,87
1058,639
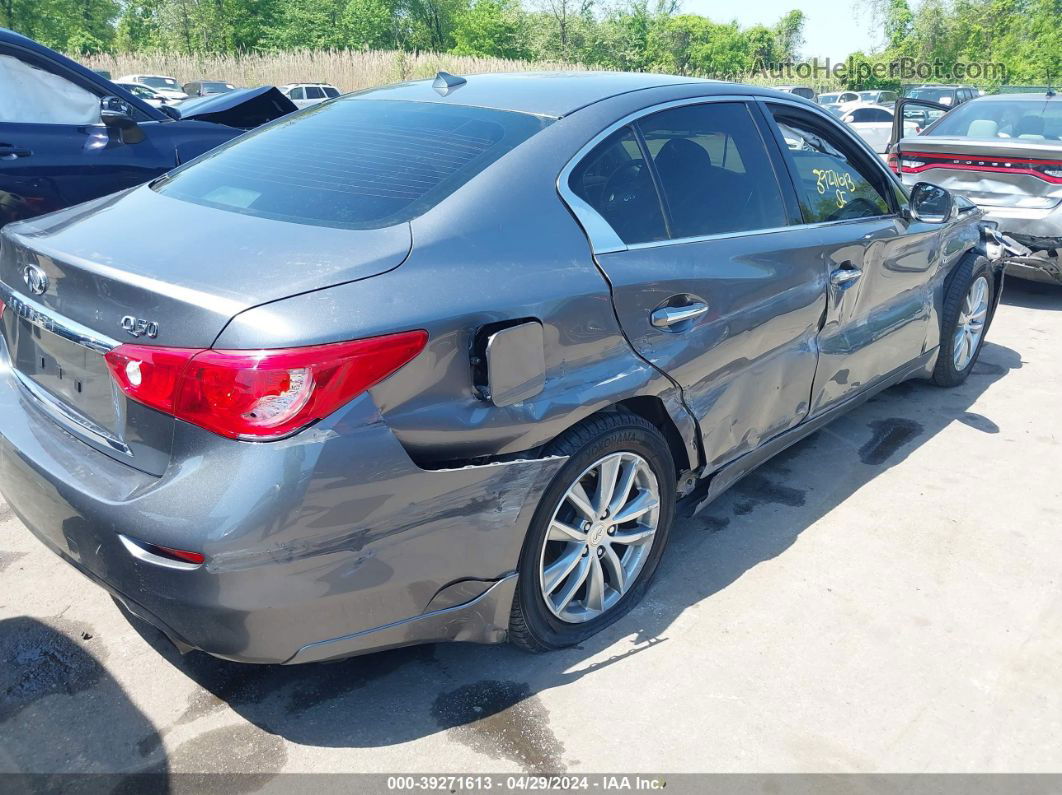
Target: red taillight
x,y
3,306
262,394
893,162
150,375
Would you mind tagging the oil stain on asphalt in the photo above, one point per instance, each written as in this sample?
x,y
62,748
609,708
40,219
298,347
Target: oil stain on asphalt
x,y
502,720
756,489
889,436
241,749
38,659
7,558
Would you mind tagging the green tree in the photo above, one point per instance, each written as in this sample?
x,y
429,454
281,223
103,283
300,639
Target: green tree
x,y
492,28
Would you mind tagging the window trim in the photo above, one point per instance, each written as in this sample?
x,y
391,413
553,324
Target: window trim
x,y
870,158
603,238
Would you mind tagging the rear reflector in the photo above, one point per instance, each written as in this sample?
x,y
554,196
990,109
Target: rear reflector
x,y
259,395
182,555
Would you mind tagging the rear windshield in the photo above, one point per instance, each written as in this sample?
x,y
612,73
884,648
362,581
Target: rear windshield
x,y
1026,119
943,96
355,163
330,91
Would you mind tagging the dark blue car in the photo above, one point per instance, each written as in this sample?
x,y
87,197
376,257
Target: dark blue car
x,y
68,135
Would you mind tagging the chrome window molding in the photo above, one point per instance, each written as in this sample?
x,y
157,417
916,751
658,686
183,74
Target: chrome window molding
x,y
604,239
37,315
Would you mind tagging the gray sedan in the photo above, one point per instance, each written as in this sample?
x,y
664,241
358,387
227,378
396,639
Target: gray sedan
x,y
442,356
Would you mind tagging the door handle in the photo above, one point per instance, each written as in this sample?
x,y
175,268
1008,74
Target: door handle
x,y
844,277
11,152
672,315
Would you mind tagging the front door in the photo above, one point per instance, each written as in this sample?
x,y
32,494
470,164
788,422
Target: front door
x,y
713,285
879,262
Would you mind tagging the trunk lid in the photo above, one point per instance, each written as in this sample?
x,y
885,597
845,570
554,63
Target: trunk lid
x,y
991,173
85,279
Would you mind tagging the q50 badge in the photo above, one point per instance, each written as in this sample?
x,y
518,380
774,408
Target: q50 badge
x,y
136,327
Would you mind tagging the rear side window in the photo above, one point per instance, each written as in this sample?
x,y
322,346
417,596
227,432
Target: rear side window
x,y
331,92
831,184
375,162
314,92
615,180
714,170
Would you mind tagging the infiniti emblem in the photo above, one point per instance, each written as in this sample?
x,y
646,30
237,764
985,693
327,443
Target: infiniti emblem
x,y
36,279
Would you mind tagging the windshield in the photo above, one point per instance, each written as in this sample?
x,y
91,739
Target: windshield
x,y
869,96
354,164
217,88
160,82
828,98
1026,119
943,96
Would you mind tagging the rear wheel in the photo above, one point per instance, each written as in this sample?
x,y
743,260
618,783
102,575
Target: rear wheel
x,y
967,312
597,535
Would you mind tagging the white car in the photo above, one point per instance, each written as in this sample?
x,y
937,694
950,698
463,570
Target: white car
x,y
143,92
873,123
306,94
166,87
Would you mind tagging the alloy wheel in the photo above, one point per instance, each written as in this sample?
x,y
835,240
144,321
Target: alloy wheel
x,y
971,324
599,537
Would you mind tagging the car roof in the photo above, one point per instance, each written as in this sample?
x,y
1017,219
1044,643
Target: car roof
x,y
1037,97
554,94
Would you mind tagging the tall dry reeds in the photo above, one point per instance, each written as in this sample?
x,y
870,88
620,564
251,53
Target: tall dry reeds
x,y
347,70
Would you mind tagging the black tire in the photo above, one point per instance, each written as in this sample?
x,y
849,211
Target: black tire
x,y
971,268
532,626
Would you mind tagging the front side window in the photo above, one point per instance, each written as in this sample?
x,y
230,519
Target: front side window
x,y
375,162
714,170
30,95
831,183
297,93
614,179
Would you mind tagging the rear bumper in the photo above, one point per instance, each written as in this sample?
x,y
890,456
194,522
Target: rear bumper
x,y
327,544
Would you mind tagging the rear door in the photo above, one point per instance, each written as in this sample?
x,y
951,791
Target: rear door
x,y
879,263
711,281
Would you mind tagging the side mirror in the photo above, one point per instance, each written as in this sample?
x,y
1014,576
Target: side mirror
x,y
171,111
931,204
116,114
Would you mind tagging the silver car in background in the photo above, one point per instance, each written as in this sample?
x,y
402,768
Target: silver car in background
x,y
305,95
1004,153
442,357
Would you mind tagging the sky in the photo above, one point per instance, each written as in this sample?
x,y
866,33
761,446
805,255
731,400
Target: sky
x,y
831,30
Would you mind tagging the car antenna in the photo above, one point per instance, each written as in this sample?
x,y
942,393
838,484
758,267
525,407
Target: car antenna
x,y
445,82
